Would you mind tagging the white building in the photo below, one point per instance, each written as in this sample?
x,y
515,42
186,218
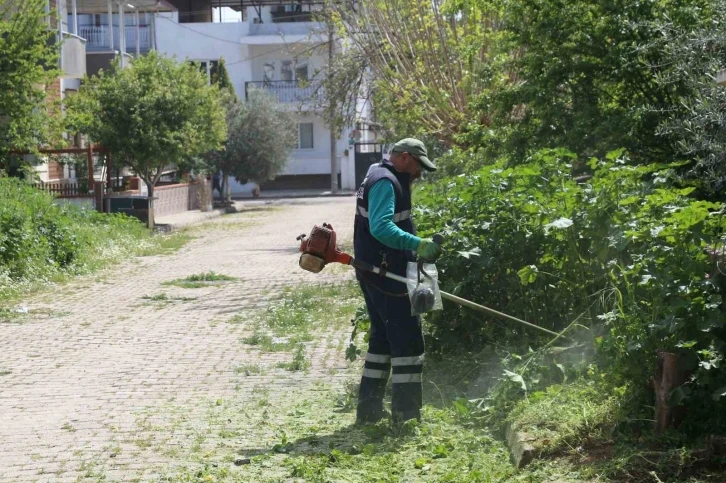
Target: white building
x,y
272,46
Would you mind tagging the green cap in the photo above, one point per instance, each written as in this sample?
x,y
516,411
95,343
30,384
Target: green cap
x,y
415,148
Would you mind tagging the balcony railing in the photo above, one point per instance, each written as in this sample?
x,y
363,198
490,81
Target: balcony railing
x,y
281,16
97,37
288,91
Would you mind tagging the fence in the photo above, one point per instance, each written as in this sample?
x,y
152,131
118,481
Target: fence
x,y
75,189
288,91
97,37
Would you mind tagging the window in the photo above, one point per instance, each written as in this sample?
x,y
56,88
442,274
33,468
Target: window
x,y
286,72
301,71
206,67
305,135
269,72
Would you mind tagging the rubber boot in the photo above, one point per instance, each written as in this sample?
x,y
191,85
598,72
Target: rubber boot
x,y
406,402
370,400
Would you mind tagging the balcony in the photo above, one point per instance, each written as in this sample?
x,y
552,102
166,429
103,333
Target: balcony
x,y
98,39
288,91
73,62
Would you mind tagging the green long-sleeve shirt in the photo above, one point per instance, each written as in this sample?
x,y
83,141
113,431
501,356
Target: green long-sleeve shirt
x,y
381,207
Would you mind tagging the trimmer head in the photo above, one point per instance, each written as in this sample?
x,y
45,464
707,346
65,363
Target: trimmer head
x,y
311,263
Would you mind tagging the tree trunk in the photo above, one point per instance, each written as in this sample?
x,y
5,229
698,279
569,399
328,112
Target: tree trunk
x,y
150,187
333,152
222,187
227,192
669,375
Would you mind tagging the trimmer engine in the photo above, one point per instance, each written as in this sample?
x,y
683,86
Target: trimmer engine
x,y
320,248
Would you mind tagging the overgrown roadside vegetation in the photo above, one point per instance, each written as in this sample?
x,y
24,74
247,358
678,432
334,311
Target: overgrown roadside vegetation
x,y
580,148
42,242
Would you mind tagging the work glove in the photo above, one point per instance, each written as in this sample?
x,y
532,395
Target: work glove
x,y
429,250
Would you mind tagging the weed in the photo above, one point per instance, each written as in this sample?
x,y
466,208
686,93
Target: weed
x,y
299,362
237,319
248,369
5,372
200,280
11,316
162,299
144,443
69,427
258,339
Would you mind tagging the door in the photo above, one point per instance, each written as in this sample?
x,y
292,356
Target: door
x,y
366,155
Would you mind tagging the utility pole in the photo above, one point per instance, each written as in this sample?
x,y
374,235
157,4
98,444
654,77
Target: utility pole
x,y
333,138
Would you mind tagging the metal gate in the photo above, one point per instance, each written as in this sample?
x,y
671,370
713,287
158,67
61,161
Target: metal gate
x,y
366,154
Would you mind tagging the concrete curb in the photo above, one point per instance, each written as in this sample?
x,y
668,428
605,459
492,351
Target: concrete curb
x,y
283,196
194,218
521,449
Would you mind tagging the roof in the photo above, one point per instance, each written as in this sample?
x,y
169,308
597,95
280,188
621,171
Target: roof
x,y
101,6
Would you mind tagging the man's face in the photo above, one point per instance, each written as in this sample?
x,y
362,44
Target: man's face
x,y
412,166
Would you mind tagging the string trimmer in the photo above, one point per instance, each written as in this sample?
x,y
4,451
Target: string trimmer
x,y
320,249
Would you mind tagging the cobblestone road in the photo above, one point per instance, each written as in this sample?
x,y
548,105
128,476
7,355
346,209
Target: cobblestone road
x,y
77,382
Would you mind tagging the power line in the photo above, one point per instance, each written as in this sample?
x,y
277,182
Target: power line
x,y
276,50
267,52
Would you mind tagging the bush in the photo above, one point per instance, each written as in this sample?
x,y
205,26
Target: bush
x,y
40,240
625,261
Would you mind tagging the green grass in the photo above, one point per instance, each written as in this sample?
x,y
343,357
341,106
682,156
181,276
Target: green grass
x,y
165,244
200,280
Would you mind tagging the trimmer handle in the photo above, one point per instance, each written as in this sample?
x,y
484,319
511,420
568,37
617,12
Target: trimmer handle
x,y
438,239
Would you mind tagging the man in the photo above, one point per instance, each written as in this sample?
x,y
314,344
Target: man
x,y
385,236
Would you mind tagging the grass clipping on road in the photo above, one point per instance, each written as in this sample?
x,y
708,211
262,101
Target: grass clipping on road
x,y
200,280
301,314
306,433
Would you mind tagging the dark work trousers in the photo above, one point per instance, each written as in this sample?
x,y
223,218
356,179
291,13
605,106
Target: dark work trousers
x,y
396,341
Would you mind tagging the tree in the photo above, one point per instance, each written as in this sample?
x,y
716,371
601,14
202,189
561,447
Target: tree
x,y
151,115
28,54
423,62
221,79
261,136
589,75
699,129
